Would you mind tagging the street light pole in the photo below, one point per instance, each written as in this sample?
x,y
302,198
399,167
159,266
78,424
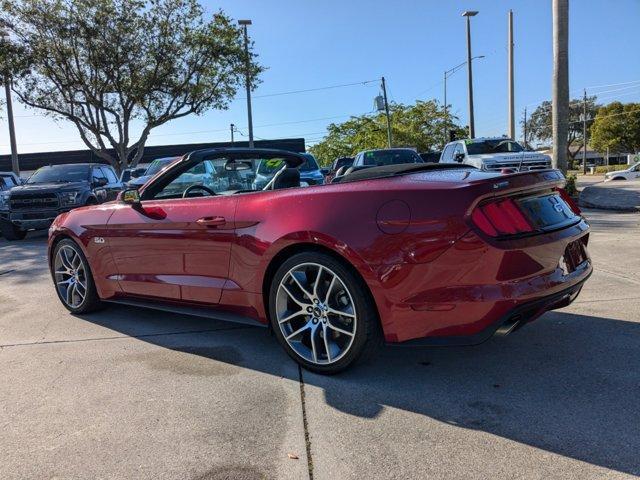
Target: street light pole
x,y
244,24
512,111
469,14
584,133
15,165
233,127
560,85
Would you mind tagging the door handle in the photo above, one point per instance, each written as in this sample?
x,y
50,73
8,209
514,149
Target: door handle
x,y
211,221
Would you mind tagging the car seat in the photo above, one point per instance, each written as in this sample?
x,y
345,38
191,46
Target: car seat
x,y
287,178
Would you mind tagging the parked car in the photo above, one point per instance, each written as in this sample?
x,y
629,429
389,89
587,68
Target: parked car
x,y
129,174
153,168
430,157
417,254
51,191
494,155
310,172
631,173
339,163
386,156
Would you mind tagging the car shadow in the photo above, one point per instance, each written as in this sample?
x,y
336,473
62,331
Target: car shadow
x,y
567,383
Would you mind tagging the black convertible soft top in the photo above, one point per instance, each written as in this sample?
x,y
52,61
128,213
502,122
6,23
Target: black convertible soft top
x,y
384,171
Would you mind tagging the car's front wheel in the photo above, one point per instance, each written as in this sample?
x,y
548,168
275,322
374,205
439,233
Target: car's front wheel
x,y
73,279
322,313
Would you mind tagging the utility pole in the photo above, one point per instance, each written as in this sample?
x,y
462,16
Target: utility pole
x,y
524,127
584,133
469,14
386,111
233,127
247,74
560,86
15,165
445,123
512,112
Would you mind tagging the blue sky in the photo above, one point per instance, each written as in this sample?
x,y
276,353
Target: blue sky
x,y
310,44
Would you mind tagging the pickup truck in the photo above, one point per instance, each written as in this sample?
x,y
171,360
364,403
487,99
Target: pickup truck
x,y
51,191
494,154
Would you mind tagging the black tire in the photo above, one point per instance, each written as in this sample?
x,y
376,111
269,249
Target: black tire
x,y
11,231
91,302
368,334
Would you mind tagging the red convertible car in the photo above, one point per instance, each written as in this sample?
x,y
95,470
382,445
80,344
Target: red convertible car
x,y
416,254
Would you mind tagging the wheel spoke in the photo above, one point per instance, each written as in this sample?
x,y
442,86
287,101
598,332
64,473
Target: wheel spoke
x,y
289,317
70,290
298,332
313,344
301,304
338,312
304,290
64,258
317,282
326,297
65,282
326,342
338,329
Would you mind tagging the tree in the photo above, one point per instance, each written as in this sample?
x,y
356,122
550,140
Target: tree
x,y
617,128
119,68
539,126
420,126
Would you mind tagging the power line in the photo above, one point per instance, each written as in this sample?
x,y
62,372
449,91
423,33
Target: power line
x,y
329,87
612,84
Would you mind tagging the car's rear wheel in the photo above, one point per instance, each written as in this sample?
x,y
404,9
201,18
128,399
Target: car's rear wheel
x,y
73,279
11,231
322,313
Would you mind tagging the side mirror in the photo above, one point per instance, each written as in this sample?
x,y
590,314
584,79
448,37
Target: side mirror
x,y
459,157
130,196
100,182
324,171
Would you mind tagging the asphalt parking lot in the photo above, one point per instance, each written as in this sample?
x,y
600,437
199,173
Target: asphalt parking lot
x,y
128,393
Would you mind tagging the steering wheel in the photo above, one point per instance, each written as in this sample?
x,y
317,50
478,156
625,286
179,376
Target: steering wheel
x,y
197,187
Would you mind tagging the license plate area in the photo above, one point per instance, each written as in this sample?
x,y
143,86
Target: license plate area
x,y
574,255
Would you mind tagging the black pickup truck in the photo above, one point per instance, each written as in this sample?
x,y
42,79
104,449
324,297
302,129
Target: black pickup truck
x,y
51,191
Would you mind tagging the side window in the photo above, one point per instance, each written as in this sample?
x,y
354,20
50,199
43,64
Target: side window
x,y
111,176
447,155
97,174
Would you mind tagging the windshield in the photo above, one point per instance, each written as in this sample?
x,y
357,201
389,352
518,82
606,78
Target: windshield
x,y
157,165
493,146
390,157
61,174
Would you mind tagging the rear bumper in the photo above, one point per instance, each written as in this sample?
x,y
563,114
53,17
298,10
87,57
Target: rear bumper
x,y
509,322
471,290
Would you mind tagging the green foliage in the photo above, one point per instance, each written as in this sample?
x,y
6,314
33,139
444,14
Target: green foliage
x,y
105,64
539,126
570,186
421,126
617,127
602,169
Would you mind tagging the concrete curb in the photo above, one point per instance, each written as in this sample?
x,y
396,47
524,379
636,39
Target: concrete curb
x,y
617,196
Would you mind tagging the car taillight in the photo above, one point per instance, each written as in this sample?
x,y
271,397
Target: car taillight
x,y
501,218
570,201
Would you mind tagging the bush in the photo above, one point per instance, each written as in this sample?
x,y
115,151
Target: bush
x,y
570,186
602,169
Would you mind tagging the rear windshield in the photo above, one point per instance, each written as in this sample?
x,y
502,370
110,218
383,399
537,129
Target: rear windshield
x,y
390,157
60,174
493,146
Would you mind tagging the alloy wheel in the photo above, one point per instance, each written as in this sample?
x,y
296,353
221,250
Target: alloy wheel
x,y
70,276
316,313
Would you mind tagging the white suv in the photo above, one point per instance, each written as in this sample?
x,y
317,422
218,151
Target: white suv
x,y
631,173
494,154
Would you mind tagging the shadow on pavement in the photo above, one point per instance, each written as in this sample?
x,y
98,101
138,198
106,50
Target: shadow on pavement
x,y
568,384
